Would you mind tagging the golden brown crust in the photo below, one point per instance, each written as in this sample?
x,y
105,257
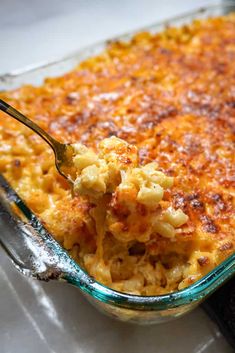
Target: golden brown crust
x,y
173,95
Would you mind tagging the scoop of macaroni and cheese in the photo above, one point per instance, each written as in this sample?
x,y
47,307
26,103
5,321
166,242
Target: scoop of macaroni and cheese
x,y
134,192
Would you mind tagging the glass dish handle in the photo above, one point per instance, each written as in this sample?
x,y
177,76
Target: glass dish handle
x,y
25,248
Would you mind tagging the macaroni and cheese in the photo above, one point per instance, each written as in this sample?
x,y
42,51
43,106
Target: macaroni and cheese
x,y
153,205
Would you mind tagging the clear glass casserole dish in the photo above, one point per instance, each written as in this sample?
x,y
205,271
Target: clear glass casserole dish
x,y
34,251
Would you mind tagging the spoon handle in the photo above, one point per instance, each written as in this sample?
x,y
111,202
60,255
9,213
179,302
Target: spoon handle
x,y
29,123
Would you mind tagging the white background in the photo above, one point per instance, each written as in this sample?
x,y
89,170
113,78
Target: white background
x,y
52,317
35,31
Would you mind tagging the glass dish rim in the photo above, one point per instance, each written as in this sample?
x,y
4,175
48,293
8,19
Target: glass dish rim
x,y
76,275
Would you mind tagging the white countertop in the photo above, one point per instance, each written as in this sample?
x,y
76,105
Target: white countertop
x,y
53,317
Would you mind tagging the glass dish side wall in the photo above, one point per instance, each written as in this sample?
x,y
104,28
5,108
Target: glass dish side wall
x,y
59,265
35,253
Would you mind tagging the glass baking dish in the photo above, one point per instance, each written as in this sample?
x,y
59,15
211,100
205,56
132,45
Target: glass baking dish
x,y
35,253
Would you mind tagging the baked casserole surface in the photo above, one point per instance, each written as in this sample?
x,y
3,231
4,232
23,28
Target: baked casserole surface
x,y
172,95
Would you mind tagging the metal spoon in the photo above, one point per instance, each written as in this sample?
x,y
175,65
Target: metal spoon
x,y
63,152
